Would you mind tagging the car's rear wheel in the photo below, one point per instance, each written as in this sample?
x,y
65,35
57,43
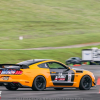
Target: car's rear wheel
x,y
58,88
11,87
85,83
39,83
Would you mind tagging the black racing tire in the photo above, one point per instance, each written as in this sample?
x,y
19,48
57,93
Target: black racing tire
x,y
10,87
85,83
58,88
39,83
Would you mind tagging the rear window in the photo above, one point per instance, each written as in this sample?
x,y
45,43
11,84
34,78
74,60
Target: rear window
x,y
28,62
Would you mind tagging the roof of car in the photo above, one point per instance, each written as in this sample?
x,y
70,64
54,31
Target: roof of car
x,y
32,61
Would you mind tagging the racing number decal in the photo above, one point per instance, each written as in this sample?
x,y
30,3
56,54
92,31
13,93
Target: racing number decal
x,y
69,77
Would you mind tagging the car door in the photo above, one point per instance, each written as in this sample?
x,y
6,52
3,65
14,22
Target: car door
x,y
60,74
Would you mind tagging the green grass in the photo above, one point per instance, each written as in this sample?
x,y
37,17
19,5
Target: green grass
x,y
51,41
45,23
57,54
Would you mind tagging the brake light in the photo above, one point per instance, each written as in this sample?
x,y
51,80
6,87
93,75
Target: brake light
x,y
18,72
0,71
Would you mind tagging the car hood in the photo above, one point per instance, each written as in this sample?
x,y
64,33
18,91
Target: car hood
x,y
78,70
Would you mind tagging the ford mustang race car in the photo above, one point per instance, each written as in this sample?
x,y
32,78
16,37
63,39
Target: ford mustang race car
x,y
39,74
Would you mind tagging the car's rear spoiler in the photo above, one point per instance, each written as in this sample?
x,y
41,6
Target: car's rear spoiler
x,y
13,66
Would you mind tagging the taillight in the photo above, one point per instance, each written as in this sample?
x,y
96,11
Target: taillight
x,y
18,72
0,71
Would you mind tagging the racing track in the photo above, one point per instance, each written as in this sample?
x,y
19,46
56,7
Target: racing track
x,y
66,94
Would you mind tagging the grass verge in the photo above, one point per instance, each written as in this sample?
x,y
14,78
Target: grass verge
x,y
45,23
57,54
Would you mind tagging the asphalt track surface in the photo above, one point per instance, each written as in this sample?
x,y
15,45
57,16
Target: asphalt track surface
x,y
51,94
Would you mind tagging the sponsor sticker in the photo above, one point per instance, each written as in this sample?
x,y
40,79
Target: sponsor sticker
x,y
69,77
8,71
60,77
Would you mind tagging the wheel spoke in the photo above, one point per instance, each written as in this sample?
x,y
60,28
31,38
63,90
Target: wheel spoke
x,y
86,82
87,79
40,82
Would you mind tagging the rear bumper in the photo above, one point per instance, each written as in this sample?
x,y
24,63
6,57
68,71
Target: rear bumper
x,y
14,84
23,80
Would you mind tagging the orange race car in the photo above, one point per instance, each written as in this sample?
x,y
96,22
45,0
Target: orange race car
x,y
42,73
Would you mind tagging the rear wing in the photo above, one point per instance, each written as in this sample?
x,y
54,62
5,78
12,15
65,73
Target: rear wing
x,y
13,66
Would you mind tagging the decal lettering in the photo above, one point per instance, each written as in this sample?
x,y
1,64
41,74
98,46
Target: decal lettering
x,y
8,71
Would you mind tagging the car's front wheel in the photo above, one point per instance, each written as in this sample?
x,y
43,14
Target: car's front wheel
x,y
11,87
85,83
39,83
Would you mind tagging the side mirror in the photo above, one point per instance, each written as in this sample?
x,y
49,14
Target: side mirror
x,y
68,68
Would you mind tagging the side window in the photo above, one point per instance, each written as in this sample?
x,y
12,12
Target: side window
x,y
53,65
77,58
73,58
44,65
